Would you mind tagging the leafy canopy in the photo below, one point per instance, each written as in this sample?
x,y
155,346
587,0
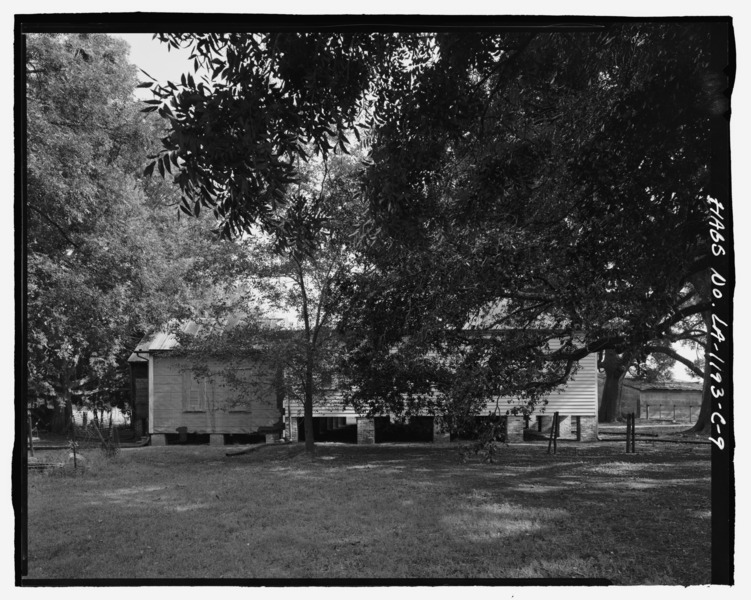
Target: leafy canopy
x,y
560,177
106,260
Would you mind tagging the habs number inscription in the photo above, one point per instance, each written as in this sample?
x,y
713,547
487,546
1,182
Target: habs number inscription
x,y
717,335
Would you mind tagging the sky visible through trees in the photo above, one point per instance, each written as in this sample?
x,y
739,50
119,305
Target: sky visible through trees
x,y
153,57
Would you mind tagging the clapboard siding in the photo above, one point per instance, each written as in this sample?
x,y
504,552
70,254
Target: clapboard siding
x,y
173,385
330,405
577,398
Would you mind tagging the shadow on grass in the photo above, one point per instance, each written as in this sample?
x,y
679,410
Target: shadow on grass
x,y
377,511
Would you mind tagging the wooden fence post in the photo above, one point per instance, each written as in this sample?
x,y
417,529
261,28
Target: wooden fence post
x,y
73,444
31,435
554,432
633,433
628,431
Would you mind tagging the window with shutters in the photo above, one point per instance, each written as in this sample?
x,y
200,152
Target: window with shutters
x,y
197,393
241,392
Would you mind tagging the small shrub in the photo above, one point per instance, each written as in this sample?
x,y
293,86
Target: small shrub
x,y
490,434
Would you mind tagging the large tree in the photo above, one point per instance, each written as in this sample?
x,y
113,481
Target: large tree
x,y
560,176
650,362
280,310
568,179
106,260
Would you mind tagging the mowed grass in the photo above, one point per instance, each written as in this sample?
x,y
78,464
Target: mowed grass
x,y
386,511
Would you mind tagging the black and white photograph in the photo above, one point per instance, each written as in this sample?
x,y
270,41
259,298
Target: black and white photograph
x,y
359,300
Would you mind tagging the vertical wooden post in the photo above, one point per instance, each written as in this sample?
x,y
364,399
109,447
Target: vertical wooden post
x,y
557,428
647,412
31,436
289,421
628,433
73,443
551,436
552,441
633,433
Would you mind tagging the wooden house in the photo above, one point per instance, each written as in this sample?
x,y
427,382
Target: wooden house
x,y
178,396
576,404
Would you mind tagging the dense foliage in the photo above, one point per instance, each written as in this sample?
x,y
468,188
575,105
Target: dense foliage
x,y
106,261
549,186
566,180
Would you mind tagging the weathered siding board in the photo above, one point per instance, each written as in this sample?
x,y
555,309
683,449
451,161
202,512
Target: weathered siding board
x,y
178,399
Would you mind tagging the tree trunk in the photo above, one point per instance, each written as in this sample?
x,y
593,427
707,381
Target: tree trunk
x,y
703,285
308,406
703,423
615,368
63,413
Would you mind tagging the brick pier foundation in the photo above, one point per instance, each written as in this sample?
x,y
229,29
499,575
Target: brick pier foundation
x,y
365,430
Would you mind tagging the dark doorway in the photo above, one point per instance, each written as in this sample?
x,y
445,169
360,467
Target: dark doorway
x,y
329,429
414,429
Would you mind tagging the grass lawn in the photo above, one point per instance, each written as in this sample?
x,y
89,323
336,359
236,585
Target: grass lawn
x,y
392,511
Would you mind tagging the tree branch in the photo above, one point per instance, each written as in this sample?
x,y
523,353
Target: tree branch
x,y
682,313
667,351
55,225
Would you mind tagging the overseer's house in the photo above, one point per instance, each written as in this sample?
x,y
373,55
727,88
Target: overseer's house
x,y
576,404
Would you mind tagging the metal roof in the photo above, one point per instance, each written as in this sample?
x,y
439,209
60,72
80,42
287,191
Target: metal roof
x,y
160,340
166,340
683,386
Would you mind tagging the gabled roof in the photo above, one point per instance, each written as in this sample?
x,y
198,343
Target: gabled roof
x,y
160,340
